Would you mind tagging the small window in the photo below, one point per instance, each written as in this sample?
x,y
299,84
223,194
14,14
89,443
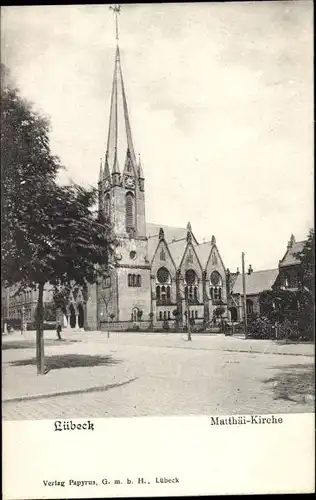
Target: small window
x,y
160,315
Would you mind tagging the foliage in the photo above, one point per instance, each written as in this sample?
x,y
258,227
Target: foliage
x,y
261,328
307,264
219,311
50,233
49,311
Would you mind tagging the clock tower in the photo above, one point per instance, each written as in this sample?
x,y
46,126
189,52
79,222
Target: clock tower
x,y
122,202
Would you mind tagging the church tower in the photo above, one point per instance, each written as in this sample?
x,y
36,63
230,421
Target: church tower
x,y
121,182
122,201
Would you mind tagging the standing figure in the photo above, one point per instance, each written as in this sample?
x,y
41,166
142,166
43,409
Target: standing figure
x,y
58,330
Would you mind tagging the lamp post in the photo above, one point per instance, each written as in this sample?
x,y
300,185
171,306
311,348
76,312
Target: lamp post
x,y
22,320
244,292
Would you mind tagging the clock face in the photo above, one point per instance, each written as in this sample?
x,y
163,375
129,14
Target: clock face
x,y
129,182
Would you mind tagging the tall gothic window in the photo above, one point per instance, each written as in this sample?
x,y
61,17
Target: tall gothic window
x,y
107,206
129,211
162,254
191,288
216,288
163,286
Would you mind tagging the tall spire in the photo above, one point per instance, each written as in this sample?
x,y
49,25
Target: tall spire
x,y
119,135
101,171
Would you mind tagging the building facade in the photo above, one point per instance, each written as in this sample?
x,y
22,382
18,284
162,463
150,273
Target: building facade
x,y
160,273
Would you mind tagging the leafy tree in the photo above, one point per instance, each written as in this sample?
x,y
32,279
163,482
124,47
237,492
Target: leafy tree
x,y
50,233
307,264
306,294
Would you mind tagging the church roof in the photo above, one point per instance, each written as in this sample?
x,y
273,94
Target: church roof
x,y
289,258
151,246
203,251
177,249
171,233
256,282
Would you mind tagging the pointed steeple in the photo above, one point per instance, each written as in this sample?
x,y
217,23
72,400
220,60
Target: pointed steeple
x,y
106,170
119,142
140,171
213,240
101,171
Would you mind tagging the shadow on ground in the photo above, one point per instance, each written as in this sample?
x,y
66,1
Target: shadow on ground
x,y
68,361
294,383
102,388
25,344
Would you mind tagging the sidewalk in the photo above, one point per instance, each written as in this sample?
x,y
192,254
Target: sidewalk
x,y
236,343
127,374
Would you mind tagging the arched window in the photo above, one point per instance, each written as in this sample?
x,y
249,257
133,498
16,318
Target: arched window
x,y
134,315
162,254
129,211
216,279
107,206
162,278
195,293
160,315
164,315
139,280
196,314
168,314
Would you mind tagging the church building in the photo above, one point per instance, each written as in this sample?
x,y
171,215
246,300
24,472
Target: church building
x,y
161,273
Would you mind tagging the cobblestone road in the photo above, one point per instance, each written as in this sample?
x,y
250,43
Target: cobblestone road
x,y
151,375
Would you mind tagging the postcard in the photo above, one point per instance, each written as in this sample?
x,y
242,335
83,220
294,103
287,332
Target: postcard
x,y
157,249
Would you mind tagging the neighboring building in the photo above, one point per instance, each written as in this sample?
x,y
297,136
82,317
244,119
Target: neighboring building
x,y
289,266
14,303
256,282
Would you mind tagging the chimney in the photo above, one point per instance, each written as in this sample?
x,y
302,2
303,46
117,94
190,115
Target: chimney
x,y
250,270
291,242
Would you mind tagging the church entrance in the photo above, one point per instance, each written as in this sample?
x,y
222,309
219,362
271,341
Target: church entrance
x,y
72,319
80,316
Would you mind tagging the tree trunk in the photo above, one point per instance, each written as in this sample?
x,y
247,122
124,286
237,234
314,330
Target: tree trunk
x,y
39,332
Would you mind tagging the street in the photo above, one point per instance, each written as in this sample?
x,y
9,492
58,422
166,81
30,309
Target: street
x,y
131,374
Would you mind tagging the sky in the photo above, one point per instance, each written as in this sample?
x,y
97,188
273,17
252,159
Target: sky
x,y
220,98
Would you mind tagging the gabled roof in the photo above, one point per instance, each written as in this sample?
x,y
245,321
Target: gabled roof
x,y
151,246
256,282
177,249
203,251
171,233
289,258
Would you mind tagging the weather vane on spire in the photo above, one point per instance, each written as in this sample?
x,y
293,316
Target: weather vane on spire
x,y
116,9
